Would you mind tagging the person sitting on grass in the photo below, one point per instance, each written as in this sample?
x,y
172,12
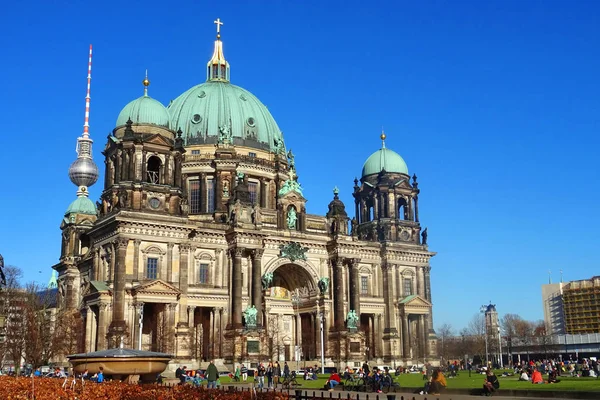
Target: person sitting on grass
x,y
524,376
552,376
536,377
438,382
333,381
491,384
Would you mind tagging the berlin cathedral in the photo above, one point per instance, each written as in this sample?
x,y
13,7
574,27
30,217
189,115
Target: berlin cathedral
x,y
200,244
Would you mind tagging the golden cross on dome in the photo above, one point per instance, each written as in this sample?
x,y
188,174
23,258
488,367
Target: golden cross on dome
x,y
218,23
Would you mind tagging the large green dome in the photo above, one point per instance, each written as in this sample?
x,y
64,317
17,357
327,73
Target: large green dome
x,y
144,110
384,159
82,205
203,111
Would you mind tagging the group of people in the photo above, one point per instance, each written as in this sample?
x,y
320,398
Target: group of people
x,y
196,377
272,372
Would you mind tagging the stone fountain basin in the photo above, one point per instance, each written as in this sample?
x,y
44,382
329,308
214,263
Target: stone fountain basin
x,y
121,364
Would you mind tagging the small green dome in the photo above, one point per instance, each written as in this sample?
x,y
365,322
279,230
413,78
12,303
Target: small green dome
x,y
384,159
144,110
82,205
203,111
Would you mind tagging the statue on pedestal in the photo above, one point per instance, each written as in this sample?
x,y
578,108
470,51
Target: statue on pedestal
x,y
250,317
352,320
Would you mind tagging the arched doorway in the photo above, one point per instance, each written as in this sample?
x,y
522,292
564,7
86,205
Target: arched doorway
x,y
291,305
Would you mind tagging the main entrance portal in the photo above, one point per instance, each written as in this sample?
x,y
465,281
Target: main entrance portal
x,y
292,306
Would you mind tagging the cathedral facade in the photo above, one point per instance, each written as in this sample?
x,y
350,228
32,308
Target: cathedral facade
x,y
201,245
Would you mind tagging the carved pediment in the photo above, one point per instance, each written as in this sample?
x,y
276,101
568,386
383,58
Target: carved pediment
x,y
415,302
403,183
158,139
156,287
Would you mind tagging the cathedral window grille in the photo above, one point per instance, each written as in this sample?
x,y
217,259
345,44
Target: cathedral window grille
x,y
194,196
251,154
210,196
153,170
151,268
253,189
407,286
195,152
203,273
364,285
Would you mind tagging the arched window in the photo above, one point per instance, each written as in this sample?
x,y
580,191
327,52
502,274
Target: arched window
x,y
402,208
153,170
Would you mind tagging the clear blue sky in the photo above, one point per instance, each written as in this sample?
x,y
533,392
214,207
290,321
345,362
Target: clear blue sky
x,y
494,105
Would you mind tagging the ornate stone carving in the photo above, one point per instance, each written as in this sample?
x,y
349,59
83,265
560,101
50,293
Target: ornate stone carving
x,y
257,254
293,251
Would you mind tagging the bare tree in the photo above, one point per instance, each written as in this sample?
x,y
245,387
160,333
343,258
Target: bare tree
x,y
165,334
67,337
445,334
476,332
12,303
37,315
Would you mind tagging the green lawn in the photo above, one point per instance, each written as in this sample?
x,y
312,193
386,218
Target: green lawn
x,y
474,382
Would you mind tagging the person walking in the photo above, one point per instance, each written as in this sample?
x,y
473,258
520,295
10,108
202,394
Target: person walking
x,y
212,375
286,370
244,372
270,375
276,374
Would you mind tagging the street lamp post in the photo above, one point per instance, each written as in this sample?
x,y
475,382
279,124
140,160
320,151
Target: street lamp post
x,y
322,318
500,349
483,309
296,303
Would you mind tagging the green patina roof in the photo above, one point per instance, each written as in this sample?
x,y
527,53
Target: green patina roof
x,y
384,159
100,286
82,205
144,110
204,109
407,299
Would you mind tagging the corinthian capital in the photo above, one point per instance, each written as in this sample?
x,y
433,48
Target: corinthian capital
x,y
122,243
353,262
257,254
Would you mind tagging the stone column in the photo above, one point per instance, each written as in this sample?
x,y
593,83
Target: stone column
x,y
96,264
136,258
425,336
118,324
338,299
405,336
379,344
421,329
316,332
416,208
218,272
190,319
388,298
220,332
420,282
88,328
211,333
102,325
354,286
263,193
356,211
113,259
139,309
371,342
236,288
170,262
257,292
376,206
184,250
